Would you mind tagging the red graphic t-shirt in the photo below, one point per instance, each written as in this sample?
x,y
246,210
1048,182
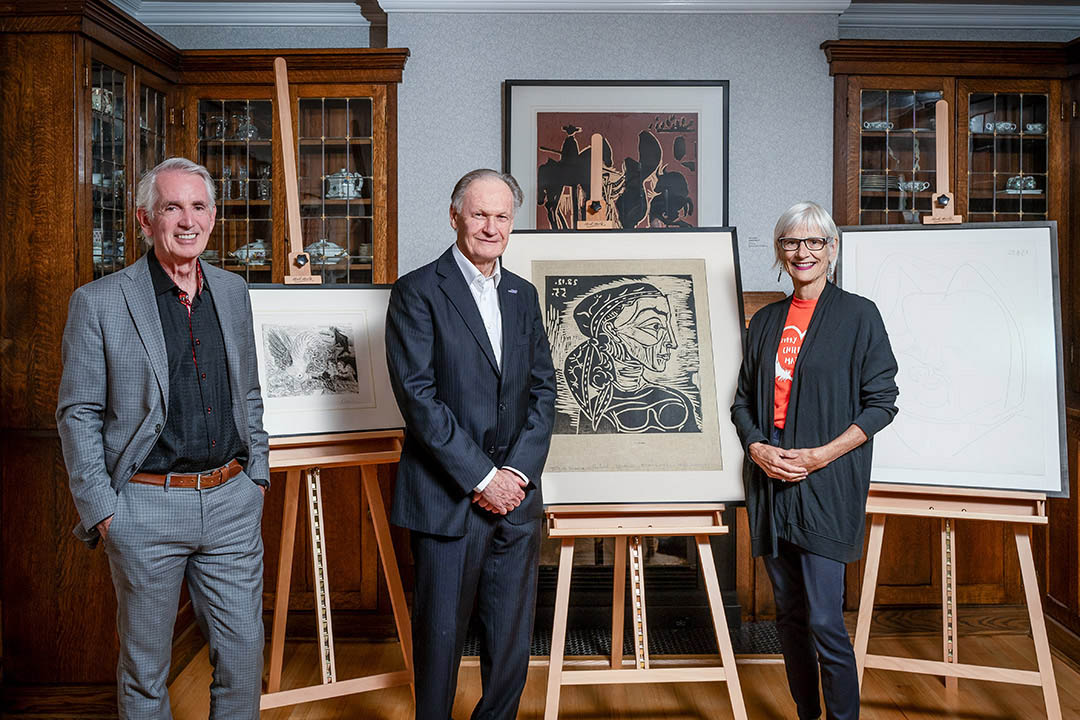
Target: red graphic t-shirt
x,y
798,319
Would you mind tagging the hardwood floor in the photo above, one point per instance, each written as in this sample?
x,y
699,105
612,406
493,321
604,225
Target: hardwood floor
x,y
886,695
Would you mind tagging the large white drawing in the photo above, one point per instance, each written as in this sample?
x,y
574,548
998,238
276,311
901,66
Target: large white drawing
x,y
971,318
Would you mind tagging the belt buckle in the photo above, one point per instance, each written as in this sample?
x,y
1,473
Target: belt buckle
x,y
198,481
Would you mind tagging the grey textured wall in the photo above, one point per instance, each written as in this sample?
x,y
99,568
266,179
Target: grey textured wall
x,y
212,37
450,107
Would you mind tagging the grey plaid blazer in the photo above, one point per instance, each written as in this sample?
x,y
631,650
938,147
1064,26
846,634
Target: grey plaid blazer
x,y
115,386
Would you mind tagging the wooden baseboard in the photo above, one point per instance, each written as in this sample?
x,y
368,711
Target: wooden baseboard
x,y
56,701
1064,642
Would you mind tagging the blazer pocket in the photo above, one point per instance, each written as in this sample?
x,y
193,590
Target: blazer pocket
x,y
524,337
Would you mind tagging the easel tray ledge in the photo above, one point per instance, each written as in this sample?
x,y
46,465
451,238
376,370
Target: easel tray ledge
x,y
967,504
688,519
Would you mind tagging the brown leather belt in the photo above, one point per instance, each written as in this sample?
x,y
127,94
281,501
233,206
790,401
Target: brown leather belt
x,y
196,481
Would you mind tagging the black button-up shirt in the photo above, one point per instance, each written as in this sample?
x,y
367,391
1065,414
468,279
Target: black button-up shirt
x,y
200,431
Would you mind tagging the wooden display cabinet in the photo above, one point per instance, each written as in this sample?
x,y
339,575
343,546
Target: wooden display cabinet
x,y
346,161
1008,146
92,99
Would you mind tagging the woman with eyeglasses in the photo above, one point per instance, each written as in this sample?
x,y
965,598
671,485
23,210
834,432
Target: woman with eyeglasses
x,y
816,384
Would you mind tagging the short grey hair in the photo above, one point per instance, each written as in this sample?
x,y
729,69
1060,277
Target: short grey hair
x,y
146,196
805,213
457,197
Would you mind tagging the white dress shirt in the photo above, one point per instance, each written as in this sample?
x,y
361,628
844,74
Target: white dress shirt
x,y
486,295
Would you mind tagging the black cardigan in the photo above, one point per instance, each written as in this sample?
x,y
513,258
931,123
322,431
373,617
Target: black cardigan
x,y
844,374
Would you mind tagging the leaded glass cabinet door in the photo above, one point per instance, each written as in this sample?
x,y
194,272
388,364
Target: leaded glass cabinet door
x,y
151,105
897,155
108,166
336,146
890,135
234,140
1010,137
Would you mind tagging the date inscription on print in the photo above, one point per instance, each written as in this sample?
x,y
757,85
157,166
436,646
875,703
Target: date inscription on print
x,y
633,363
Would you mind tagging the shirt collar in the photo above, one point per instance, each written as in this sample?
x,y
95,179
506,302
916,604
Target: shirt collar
x,y
161,280
473,276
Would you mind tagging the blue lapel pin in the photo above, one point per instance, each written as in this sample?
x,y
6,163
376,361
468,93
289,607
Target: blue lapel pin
x,y
513,291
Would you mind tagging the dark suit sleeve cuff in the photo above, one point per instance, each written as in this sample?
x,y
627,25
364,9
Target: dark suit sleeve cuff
x,y
260,481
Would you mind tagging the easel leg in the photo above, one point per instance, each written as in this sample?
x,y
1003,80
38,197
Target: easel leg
x,y
723,638
370,478
321,578
869,586
284,579
1038,622
558,630
618,602
637,604
949,646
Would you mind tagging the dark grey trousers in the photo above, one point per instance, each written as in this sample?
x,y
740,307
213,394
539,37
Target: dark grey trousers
x,y
212,538
495,565
809,592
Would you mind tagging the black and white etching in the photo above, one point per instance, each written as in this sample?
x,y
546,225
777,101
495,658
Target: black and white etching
x,y
630,345
308,360
617,375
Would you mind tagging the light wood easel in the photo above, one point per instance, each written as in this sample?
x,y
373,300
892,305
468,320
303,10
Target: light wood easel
x,y
1022,510
941,201
298,269
628,524
306,455
596,208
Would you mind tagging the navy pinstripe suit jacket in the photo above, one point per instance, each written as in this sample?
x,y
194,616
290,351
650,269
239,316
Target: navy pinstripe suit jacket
x,y
462,415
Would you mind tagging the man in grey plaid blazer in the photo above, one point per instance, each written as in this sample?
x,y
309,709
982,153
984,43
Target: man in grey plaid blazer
x,y
160,417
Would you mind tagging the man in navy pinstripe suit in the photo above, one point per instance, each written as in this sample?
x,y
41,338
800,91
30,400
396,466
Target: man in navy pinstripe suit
x,y
471,369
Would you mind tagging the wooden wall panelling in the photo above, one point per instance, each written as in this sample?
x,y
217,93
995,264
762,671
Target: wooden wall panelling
x,y
38,277
1059,556
390,264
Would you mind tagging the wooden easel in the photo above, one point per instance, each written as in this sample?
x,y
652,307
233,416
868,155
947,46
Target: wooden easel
x,y
942,201
298,269
307,454
596,208
628,524
1022,510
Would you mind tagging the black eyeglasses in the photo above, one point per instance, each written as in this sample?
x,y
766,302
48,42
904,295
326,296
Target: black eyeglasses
x,y
791,244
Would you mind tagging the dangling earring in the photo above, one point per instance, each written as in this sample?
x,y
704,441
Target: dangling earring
x,y
830,275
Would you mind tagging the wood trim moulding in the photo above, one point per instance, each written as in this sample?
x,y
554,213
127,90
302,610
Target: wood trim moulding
x,y
238,67
831,7
249,14
1015,16
1072,56
97,19
930,57
60,700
